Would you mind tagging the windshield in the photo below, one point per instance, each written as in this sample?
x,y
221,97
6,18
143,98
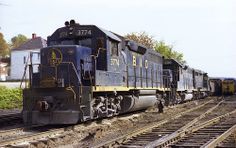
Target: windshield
x,y
87,42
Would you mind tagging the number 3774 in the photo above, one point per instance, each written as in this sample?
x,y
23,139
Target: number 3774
x,y
84,32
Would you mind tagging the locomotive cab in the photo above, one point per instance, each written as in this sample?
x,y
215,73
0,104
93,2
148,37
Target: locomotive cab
x,y
55,90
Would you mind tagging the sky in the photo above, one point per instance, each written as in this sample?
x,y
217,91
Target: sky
x,y
203,30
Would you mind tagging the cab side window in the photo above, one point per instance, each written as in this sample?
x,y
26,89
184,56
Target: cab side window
x,y
114,48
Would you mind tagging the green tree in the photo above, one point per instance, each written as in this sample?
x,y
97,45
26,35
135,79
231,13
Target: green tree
x,y
16,41
141,38
4,48
160,46
168,52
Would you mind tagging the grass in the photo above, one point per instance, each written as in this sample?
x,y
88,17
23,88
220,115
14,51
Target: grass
x,y
10,98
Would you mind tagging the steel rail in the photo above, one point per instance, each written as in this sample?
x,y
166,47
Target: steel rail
x,y
210,122
148,127
34,136
30,136
163,141
229,141
4,133
177,135
220,138
6,117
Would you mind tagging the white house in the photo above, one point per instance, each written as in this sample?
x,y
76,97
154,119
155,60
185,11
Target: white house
x,y
20,56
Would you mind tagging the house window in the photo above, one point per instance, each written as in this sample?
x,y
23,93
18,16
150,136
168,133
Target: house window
x,y
114,48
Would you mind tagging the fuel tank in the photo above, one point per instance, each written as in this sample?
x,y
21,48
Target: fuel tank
x,y
134,103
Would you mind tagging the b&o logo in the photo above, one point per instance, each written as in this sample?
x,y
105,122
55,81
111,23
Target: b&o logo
x,y
55,57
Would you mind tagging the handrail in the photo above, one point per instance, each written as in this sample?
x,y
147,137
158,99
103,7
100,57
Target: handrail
x,y
25,69
74,68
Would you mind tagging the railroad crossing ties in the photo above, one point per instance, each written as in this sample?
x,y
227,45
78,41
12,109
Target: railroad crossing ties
x,y
210,124
204,126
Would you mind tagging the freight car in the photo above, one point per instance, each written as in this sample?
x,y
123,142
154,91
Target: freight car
x,y
87,72
215,86
228,87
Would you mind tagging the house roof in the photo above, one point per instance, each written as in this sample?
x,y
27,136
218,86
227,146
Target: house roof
x,y
34,43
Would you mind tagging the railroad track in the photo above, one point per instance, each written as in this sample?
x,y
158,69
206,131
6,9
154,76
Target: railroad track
x,y
228,142
131,139
155,135
10,119
210,133
32,136
165,133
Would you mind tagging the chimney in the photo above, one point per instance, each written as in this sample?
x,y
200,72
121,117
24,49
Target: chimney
x,y
33,35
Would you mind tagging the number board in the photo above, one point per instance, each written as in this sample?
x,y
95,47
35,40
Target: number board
x,y
79,32
84,32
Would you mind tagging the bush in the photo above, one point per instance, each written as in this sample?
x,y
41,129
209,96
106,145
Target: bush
x,y
10,98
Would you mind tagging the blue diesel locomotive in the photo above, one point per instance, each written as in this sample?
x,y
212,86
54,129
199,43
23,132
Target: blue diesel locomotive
x,y
87,72
187,83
